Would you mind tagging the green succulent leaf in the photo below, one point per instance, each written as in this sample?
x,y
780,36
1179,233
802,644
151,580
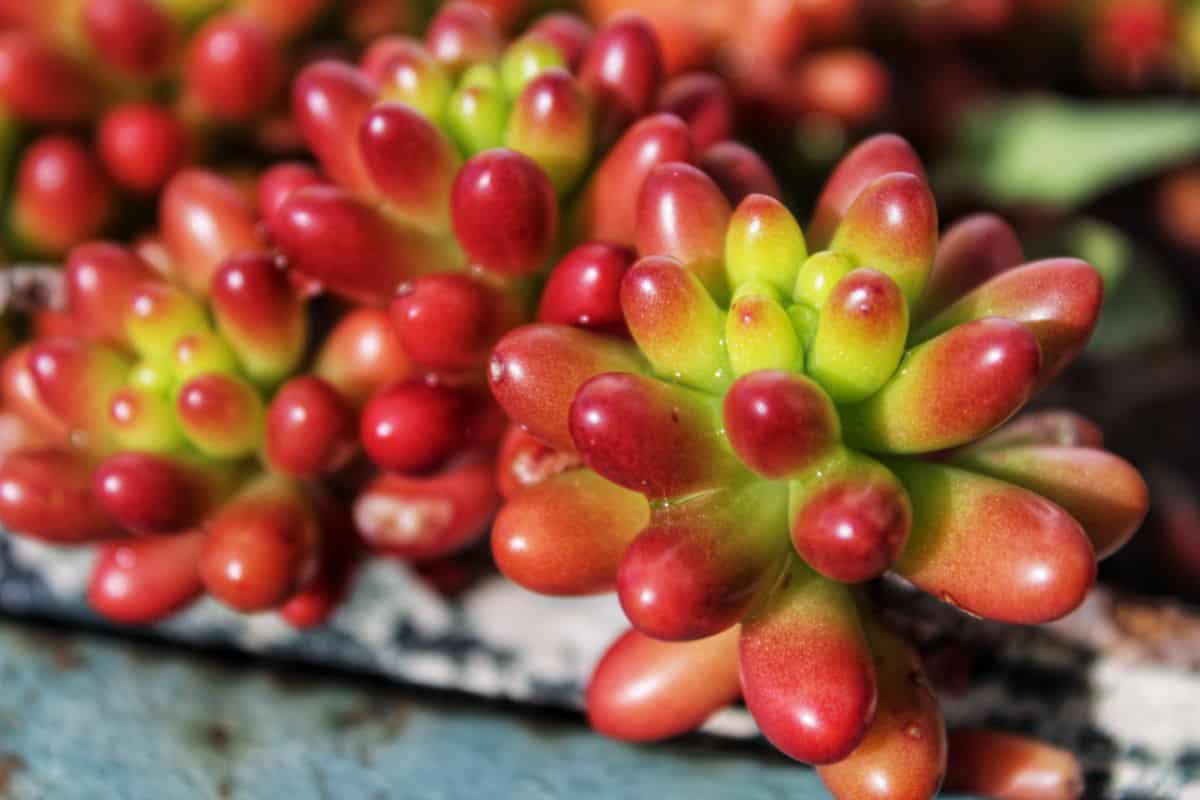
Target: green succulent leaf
x,y
1062,153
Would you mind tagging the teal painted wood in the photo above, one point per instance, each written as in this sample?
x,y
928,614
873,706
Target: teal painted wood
x,y
1130,722
85,717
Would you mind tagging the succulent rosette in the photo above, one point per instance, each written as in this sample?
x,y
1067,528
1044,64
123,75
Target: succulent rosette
x,y
465,156
210,62
167,417
796,416
194,364
102,101
455,171
454,157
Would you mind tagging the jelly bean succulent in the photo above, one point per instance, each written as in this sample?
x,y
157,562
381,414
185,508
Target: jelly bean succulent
x,y
785,61
454,159
455,170
84,114
193,364
462,166
795,416
145,407
194,416
102,101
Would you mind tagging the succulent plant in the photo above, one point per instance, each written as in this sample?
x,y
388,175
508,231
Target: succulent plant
x,y
465,155
1113,45
183,390
734,425
786,61
794,417
455,171
998,764
102,101
143,411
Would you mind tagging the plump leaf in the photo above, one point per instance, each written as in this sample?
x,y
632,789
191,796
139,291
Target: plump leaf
x,y
1141,307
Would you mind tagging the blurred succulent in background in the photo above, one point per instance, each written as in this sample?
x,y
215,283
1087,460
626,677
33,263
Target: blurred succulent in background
x,y
102,101
793,62
141,410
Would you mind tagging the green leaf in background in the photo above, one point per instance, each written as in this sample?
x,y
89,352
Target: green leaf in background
x,y
1061,153
1106,247
1141,311
1141,307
